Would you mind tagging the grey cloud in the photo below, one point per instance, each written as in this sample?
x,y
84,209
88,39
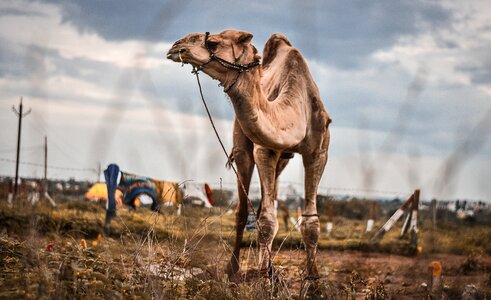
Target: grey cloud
x,y
479,74
177,87
121,20
343,29
477,62
26,62
180,91
11,65
30,64
17,12
340,33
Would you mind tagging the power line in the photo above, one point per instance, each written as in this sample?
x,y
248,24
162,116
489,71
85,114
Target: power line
x,y
256,185
49,167
42,129
367,191
24,149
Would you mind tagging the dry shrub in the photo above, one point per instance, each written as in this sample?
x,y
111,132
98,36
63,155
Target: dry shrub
x,y
162,256
470,264
376,291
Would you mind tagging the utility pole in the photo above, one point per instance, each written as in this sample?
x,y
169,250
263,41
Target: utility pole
x,y
45,164
45,182
21,115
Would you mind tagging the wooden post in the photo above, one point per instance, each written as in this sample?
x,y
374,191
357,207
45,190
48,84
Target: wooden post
x,y
45,163
415,208
405,226
433,220
433,213
411,221
371,216
436,279
393,219
413,227
330,217
411,207
45,181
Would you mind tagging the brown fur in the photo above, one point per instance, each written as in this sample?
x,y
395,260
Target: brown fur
x,y
278,109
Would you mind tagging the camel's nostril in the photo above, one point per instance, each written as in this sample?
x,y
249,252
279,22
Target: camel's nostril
x,y
182,50
177,43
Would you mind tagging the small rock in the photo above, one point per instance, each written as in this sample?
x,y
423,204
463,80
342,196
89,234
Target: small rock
x,y
470,292
371,280
389,279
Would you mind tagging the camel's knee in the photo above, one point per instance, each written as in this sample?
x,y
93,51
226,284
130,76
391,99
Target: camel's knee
x,y
242,156
310,228
267,228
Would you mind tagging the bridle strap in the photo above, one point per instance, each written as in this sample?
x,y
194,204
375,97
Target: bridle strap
x,y
227,64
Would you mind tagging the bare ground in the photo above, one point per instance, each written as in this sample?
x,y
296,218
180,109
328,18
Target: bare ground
x,y
58,255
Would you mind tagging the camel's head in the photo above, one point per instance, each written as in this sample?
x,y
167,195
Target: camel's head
x,y
215,54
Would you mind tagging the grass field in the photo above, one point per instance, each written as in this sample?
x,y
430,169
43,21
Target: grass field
x,y
59,253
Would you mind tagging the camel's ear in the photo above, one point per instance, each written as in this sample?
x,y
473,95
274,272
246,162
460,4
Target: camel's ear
x,y
245,37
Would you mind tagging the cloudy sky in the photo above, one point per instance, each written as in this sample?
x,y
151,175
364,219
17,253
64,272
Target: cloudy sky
x,y
407,83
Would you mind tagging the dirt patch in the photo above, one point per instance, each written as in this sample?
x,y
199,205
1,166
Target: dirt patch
x,y
59,254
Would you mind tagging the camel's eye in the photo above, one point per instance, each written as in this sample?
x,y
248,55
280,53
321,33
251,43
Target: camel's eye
x,y
211,45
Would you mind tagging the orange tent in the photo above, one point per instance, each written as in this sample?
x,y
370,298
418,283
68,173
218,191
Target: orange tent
x,y
97,192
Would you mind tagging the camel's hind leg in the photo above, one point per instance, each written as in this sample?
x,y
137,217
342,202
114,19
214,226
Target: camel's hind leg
x,y
314,167
267,162
244,160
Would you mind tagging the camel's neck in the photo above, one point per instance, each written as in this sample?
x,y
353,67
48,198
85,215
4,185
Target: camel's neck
x,y
275,123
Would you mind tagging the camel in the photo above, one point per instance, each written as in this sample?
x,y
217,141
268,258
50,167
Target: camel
x,y
278,112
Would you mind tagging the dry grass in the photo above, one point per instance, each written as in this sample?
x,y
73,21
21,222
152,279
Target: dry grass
x,y
163,256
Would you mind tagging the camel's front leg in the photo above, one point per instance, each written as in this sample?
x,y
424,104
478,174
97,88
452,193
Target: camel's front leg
x,y
314,167
266,161
282,162
244,160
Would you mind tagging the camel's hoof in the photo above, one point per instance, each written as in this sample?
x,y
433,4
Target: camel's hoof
x,y
232,270
318,289
312,277
271,274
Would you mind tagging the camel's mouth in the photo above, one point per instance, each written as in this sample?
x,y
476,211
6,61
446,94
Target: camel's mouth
x,y
175,54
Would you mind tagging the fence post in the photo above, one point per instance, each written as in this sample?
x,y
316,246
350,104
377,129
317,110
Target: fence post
x,y
433,213
371,216
433,221
330,214
405,226
413,227
393,219
436,280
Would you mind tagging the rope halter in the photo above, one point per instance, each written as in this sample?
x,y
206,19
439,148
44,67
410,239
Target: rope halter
x,y
227,64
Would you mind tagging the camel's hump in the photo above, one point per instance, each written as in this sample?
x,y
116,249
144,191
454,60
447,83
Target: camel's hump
x,y
275,41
